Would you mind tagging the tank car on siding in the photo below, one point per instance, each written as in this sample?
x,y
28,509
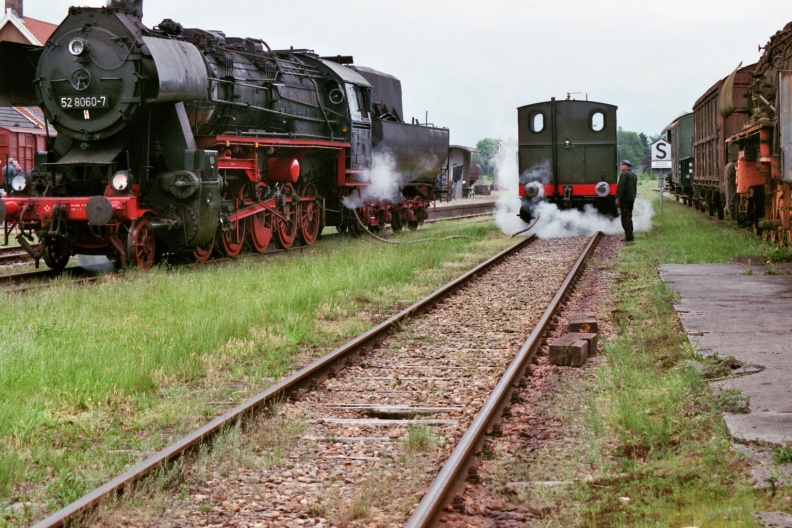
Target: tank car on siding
x,y
567,153
174,140
717,114
680,135
763,161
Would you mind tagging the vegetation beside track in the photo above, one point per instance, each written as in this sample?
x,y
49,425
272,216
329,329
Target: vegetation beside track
x,y
652,449
96,378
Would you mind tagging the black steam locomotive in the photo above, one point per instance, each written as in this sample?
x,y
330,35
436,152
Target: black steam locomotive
x,y
174,140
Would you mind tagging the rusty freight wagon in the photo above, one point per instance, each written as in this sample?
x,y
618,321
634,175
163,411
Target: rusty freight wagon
x,y
763,145
710,130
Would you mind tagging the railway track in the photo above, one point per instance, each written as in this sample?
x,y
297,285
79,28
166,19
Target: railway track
x,y
420,377
12,255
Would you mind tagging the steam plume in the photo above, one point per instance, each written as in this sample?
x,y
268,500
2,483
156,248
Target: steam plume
x,y
385,184
553,222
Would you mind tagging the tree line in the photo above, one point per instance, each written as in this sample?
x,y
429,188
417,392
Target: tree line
x,y
634,146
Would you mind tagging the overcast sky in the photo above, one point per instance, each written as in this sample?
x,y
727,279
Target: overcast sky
x,y
471,63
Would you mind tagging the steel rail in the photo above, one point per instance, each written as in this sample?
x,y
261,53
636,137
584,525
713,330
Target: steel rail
x,y
453,474
308,376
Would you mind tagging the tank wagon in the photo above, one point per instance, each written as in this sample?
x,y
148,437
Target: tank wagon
x,y
567,154
174,140
680,135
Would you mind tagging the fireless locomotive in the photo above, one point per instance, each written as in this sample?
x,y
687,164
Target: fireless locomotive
x,y
567,154
185,141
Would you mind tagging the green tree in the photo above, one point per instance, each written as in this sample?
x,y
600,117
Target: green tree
x,y
631,147
647,145
487,149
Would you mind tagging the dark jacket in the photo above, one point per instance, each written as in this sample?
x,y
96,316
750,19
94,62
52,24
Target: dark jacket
x,y
628,187
8,173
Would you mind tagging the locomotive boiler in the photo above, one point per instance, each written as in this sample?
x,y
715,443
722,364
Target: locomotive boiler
x,y
567,154
184,141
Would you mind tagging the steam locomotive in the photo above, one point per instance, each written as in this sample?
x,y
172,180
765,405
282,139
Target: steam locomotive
x,y
742,143
185,141
567,155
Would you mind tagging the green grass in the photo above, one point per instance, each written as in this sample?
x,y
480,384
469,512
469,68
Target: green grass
x,y
667,437
682,235
94,378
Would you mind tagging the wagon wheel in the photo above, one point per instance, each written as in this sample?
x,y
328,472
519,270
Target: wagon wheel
x,y
310,215
141,245
412,225
396,222
203,253
233,239
56,252
260,231
286,230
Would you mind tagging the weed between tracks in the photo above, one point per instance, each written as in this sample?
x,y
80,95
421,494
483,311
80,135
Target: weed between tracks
x,y
96,378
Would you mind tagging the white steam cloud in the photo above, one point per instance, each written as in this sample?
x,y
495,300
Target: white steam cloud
x,y
553,222
385,184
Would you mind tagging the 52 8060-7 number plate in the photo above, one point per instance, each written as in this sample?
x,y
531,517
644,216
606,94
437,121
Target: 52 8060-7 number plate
x,y
79,103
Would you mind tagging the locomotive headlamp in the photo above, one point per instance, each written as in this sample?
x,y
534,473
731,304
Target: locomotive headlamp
x,y
77,46
19,182
120,181
531,189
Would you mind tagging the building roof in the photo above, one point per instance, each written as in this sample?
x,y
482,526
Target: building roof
x,y
24,119
40,29
25,30
11,117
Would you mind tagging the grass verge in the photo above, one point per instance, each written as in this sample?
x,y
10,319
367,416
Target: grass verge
x,y
94,379
653,450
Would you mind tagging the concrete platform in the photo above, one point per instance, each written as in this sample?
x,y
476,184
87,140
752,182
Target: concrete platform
x,y
739,310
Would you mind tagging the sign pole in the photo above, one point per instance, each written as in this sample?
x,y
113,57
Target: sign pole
x,y
661,159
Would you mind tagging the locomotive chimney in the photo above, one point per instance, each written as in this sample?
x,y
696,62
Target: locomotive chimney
x,y
136,6
15,6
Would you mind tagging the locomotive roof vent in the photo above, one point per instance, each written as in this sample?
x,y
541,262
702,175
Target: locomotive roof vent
x,y
134,6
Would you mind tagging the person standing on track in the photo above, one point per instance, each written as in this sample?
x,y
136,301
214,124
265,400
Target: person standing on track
x,y
625,198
